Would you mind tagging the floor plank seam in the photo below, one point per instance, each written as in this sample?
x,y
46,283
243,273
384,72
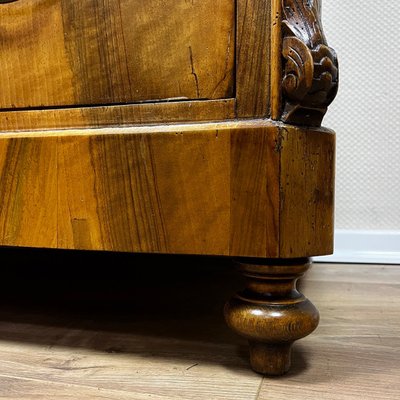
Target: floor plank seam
x,y
259,388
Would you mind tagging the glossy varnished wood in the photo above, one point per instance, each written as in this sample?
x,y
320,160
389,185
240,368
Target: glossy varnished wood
x,y
92,117
255,193
58,53
253,58
28,192
270,313
276,59
307,191
192,189
142,193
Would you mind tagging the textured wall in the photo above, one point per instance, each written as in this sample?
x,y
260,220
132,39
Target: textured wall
x,y
366,113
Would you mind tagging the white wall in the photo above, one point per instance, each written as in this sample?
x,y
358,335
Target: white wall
x,y
366,113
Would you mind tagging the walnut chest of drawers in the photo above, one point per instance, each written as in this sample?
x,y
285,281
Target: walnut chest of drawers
x,y
175,127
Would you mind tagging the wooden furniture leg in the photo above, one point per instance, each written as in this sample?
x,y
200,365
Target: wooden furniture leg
x,y
270,312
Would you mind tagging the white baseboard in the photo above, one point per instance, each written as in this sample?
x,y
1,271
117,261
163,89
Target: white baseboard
x,y
368,247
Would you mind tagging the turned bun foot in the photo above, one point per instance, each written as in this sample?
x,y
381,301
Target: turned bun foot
x,y
271,313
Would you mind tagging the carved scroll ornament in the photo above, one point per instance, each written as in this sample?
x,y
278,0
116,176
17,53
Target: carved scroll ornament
x,y
310,79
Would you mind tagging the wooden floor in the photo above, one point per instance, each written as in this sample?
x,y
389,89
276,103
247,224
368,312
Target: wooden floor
x,y
124,333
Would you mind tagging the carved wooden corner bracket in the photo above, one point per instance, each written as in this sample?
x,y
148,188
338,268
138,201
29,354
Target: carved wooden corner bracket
x,y
310,76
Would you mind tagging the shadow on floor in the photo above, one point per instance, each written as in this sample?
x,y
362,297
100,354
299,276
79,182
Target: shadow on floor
x,y
122,303
68,298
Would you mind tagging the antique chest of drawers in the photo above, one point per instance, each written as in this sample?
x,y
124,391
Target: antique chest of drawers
x,y
175,127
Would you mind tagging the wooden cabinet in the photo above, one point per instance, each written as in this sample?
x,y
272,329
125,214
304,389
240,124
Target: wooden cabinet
x,y
176,127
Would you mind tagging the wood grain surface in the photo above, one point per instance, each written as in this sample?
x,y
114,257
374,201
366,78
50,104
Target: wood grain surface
x,y
270,312
253,58
117,115
49,351
73,52
239,188
276,59
254,193
307,191
28,192
164,192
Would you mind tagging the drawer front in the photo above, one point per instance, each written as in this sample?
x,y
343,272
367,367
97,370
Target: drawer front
x,y
60,53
